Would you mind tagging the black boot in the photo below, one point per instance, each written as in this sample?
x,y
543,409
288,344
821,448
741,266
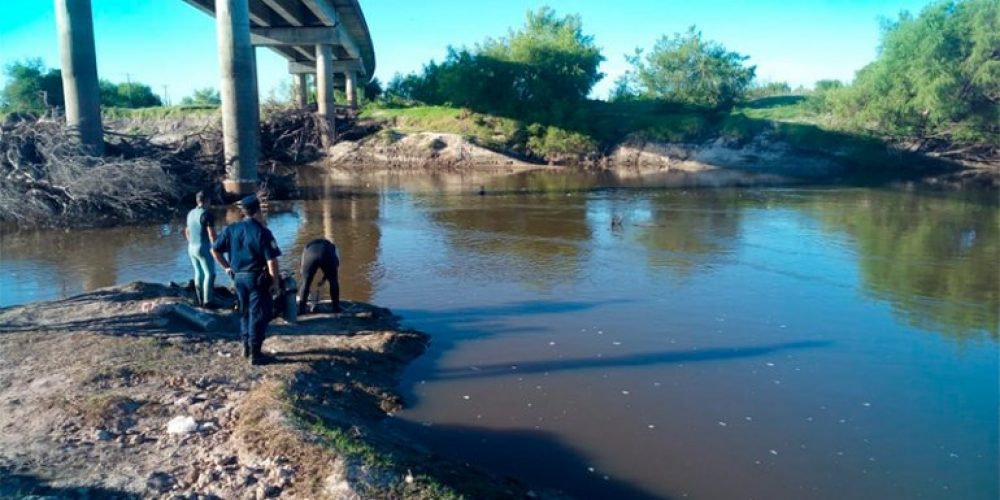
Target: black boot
x,y
246,350
257,357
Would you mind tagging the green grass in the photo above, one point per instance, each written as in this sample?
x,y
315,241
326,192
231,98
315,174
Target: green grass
x,y
350,444
489,131
158,112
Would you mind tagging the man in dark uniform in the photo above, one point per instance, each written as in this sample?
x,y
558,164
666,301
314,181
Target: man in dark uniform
x,y
253,265
320,255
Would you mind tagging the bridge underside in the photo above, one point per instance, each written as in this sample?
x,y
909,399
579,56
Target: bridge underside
x,y
292,28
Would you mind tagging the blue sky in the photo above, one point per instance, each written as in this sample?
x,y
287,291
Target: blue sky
x,y
171,46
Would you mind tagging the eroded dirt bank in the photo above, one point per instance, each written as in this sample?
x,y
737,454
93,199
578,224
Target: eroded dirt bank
x,y
109,394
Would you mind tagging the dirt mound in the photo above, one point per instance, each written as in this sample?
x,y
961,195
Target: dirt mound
x,y
107,395
395,150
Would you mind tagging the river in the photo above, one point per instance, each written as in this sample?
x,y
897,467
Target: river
x,y
614,339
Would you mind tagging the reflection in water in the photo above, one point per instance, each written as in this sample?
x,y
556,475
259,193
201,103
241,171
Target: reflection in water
x,y
687,231
539,239
49,264
937,261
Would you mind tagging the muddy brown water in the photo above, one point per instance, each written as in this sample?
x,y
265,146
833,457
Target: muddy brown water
x,y
614,339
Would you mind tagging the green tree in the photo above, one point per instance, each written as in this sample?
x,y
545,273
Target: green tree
x,y
936,79
546,67
128,95
31,87
207,96
687,69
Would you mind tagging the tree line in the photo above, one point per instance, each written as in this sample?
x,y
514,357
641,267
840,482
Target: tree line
x,y
936,77
32,87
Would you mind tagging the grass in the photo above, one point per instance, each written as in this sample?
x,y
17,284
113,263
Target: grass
x,y
158,112
488,131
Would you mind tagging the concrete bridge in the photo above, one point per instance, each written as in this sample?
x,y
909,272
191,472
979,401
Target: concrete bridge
x,y
326,38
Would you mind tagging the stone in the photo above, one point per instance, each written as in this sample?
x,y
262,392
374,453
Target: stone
x,y
103,435
160,482
224,460
182,425
269,491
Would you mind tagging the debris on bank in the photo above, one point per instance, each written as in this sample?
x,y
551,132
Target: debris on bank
x,y
47,179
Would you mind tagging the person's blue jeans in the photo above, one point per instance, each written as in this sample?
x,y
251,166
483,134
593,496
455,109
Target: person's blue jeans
x,y
256,305
204,273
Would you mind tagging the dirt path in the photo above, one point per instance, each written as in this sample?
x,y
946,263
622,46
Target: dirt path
x,y
90,385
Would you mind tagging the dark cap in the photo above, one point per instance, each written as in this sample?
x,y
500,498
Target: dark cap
x,y
250,204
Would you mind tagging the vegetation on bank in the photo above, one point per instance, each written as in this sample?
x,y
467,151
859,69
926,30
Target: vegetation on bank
x,y
935,87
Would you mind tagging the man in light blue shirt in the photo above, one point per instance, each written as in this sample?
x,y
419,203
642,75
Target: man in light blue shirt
x,y
200,234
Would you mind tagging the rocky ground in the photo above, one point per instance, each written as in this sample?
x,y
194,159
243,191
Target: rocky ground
x,y
112,395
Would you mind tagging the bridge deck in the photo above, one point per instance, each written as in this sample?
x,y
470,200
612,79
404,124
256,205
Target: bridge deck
x,y
346,14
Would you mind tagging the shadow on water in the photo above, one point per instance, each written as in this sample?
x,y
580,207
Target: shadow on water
x,y
645,359
542,460
15,485
454,326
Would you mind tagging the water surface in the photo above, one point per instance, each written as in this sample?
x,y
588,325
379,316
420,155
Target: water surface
x,y
731,343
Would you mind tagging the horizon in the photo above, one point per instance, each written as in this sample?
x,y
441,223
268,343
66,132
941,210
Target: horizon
x,y
798,44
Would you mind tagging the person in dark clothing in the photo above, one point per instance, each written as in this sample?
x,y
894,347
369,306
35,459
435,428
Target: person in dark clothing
x,y
253,265
320,254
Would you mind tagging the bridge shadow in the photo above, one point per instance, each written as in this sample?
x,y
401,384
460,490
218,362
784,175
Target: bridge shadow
x,y
450,328
537,458
636,360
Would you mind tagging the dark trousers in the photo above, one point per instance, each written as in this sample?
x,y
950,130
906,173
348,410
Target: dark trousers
x,y
256,305
319,255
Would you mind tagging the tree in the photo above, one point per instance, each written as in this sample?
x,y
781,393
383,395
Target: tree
x,y
128,95
687,69
546,67
207,96
936,78
372,90
31,87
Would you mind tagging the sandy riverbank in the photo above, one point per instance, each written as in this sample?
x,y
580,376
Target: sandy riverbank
x,y
90,386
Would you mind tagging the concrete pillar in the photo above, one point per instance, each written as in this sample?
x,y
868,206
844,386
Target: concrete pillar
x,y
238,90
301,90
79,72
324,93
351,89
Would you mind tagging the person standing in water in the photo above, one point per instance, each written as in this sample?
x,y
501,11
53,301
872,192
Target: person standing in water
x,y
200,234
320,254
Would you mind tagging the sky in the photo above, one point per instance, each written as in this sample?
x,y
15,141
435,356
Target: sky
x,y
171,46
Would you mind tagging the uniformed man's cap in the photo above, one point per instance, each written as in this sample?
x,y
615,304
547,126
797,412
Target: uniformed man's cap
x,y
250,204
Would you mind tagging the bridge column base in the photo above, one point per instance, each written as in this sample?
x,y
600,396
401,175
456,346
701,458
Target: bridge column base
x,y
239,188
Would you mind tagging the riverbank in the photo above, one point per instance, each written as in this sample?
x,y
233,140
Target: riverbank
x,y
773,141
110,393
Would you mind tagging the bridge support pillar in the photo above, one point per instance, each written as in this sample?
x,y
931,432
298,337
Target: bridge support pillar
x,y
79,73
324,94
351,89
301,90
238,90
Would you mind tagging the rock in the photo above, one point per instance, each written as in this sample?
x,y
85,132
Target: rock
x,y
192,476
225,460
269,491
160,482
136,439
103,435
182,425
